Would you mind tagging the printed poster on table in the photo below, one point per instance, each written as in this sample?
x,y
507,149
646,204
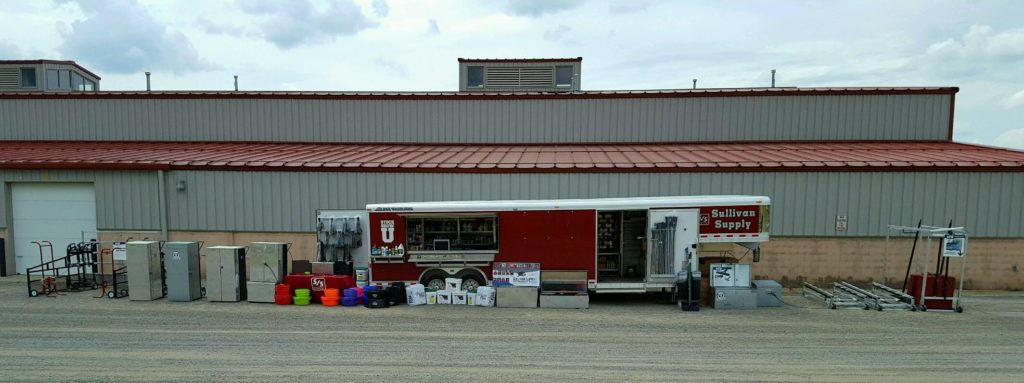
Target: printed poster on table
x,y
516,274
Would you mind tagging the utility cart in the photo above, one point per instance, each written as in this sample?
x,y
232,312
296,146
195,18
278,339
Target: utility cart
x,y
935,290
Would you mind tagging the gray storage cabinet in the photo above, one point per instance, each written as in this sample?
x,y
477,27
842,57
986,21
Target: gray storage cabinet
x,y
225,273
267,267
181,261
145,272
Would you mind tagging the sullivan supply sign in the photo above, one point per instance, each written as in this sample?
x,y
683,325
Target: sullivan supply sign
x,y
730,219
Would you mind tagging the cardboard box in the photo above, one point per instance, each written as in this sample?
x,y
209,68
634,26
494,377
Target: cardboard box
x,y
458,297
525,297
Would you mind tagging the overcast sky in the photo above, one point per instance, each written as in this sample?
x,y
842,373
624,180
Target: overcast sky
x,y
625,44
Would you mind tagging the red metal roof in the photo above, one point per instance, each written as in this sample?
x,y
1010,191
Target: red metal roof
x,y
667,157
588,94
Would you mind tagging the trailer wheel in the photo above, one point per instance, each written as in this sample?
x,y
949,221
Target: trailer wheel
x,y
472,282
33,293
111,294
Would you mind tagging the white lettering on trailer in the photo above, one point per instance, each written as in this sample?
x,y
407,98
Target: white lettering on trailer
x,y
732,213
745,225
387,231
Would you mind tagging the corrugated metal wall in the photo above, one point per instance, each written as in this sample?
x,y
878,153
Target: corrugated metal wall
x,y
888,117
804,204
124,200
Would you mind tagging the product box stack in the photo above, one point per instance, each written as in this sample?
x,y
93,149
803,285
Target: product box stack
x,y
267,267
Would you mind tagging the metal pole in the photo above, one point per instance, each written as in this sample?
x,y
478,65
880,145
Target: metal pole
x,y
913,249
885,258
162,200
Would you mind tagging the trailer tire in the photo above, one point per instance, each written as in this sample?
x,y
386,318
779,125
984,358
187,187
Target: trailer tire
x,y
471,280
434,279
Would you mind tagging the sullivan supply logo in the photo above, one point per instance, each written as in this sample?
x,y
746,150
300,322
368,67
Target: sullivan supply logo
x,y
387,231
733,219
318,284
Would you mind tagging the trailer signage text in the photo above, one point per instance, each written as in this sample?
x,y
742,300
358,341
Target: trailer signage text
x,y
730,219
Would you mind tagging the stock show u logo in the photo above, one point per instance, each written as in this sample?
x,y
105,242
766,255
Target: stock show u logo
x,y
387,231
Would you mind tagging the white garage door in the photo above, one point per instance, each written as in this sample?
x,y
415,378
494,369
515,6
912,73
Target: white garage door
x,y
55,212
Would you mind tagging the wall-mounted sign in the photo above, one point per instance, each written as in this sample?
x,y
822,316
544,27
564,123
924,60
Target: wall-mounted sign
x,y
841,223
954,245
516,274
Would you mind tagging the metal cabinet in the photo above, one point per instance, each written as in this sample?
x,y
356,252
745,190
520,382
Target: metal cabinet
x,y
267,262
145,271
181,261
225,273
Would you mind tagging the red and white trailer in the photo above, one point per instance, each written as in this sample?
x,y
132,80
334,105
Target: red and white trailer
x,y
624,244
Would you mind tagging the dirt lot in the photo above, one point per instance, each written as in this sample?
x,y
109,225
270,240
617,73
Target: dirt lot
x,y
78,338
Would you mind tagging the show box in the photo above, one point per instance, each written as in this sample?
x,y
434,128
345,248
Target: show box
x,y
734,298
524,297
769,293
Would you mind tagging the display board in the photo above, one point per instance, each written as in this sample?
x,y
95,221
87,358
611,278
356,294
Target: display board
x,y
516,274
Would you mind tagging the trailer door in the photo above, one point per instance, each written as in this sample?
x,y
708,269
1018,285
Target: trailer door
x,y
672,243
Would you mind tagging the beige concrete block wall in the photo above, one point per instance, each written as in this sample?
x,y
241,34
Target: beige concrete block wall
x,y
991,263
303,245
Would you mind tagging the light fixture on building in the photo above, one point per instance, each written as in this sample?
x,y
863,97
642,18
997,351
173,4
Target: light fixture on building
x,y
180,186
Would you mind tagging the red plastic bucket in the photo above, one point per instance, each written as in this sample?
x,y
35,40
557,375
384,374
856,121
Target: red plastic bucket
x,y
282,289
283,299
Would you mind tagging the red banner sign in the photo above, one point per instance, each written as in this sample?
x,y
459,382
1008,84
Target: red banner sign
x,y
730,219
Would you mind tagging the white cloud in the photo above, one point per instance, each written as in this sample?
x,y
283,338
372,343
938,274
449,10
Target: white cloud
x,y
1014,101
1013,138
629,6
536,8
9,50
432,27
298,22
121,36
380,8
212,28
556,33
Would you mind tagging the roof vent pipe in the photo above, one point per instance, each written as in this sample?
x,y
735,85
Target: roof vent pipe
x,y
694,83
773,78
147,81
236,83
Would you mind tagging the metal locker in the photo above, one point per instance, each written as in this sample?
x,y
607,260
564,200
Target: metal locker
x,y
225,274
267,262
181,261
145,271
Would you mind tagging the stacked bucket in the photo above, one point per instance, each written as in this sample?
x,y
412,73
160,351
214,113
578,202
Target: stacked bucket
x,y
350,297
330,297
282,294
302,297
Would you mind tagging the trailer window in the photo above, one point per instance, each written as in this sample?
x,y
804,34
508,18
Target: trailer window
x,y
459,233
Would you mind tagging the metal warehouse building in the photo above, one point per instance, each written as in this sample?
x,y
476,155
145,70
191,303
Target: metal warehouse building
x,y
840,164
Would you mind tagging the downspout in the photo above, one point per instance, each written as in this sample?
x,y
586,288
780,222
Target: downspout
x,y
162,200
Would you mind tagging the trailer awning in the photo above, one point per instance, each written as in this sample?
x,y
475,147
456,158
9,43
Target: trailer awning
x,y
602,158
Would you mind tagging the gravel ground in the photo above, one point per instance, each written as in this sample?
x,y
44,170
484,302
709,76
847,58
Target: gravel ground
x,y
75,337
